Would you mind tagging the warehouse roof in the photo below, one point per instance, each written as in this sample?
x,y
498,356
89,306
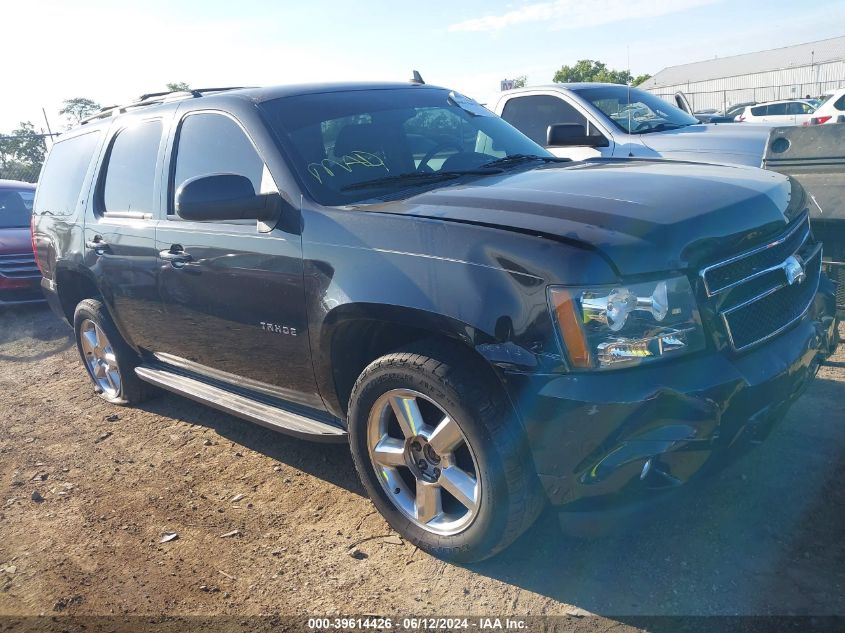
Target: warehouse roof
x,y
832,49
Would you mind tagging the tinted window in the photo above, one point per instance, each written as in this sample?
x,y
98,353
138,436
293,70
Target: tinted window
x,y
346,146
839,104
759,110
214,144
131,169
60,183
14,212
776,109
533,115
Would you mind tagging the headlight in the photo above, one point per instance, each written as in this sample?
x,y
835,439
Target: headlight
x,y
624,325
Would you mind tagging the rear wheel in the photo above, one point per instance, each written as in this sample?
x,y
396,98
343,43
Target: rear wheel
x,y
441,454
107,358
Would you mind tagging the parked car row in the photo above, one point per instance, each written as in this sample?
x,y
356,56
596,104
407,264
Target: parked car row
x,y
490,325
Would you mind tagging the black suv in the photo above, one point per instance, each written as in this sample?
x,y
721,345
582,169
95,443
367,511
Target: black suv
x,y
490,327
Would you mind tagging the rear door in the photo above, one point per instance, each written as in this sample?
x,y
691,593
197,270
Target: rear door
x,y
120,226
233,291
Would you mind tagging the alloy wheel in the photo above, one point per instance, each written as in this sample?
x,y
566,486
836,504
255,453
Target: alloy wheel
x,y
424,462
100,358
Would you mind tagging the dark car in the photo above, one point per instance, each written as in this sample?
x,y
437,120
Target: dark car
x,y
20,279
490,327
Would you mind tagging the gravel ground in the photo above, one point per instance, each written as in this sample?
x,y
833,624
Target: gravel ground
x,y
268,524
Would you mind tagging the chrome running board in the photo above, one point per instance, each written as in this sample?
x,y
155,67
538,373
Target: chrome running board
x,y
242,406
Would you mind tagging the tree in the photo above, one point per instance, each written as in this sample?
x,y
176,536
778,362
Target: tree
x,y
22,153
592,70
178,86
640,79
77,109
520,81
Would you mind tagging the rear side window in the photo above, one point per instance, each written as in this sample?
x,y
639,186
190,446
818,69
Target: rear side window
x,y
777,109
129,183
212,143
60,184
839,104
534,114
14,210
759,111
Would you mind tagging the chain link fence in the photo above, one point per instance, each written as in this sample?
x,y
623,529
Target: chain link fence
x,y
21,156
723,99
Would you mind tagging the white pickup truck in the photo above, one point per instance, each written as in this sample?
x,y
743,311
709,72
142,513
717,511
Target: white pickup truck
x,y
582,120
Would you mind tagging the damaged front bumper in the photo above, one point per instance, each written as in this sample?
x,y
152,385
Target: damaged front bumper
x,y
601,437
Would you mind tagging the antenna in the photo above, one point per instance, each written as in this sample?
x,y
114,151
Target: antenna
x,y
417,78
628,49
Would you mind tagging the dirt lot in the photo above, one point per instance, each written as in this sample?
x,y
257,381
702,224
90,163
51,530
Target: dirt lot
x,y
266,523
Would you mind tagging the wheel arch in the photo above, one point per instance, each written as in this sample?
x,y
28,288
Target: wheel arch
x,y
74,284
354,335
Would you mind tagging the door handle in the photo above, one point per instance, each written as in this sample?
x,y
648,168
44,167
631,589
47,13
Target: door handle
x,y
176,255
98,245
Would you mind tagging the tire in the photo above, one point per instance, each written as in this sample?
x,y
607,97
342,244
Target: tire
x,y
477,432
97,339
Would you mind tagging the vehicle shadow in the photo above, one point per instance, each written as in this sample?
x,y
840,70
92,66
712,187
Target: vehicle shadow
x,y
31,333
763,536
330,462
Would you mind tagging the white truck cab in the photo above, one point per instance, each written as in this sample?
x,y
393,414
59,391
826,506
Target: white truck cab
x,y
583,120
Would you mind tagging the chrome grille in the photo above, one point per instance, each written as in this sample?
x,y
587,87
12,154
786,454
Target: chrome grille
x,y
19,266
752,292
737,270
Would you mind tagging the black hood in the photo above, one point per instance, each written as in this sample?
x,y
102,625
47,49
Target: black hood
x,y
645,216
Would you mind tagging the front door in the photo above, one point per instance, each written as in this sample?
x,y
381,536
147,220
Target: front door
x,y
232,291
533,114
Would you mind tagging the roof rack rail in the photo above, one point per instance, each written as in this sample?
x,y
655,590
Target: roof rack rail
x,y
152,98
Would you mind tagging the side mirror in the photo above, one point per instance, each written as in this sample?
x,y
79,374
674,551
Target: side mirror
x,y
223,197
572,135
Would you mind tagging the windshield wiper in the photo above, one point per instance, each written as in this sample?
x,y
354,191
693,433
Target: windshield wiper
x,y
662,127
418,177
516,159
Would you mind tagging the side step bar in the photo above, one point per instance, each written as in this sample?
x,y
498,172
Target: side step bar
x,y
267,415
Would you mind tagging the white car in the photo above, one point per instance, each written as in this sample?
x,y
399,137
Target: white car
x,y
831,110
585,120
788,112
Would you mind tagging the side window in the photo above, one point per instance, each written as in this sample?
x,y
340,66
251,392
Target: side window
x,y
534,114
60,183
777,109
839,104
129,183
211,143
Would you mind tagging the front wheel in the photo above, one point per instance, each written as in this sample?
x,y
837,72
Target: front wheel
x,y
441,454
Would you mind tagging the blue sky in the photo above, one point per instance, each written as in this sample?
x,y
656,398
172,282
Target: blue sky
x,y
112,51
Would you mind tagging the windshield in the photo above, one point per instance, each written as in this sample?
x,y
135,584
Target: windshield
x,y
636,111
357,145
15,208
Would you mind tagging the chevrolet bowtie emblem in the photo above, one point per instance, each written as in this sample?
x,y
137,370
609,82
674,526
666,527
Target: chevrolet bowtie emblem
x,y
793,268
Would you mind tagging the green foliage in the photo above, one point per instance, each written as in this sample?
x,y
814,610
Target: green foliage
x,y
520,81
178,86
21,153
77,109
592,70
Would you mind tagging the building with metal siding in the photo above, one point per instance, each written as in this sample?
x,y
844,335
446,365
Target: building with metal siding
x,y
780,73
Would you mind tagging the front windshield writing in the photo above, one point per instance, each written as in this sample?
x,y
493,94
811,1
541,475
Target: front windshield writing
x,y
636,111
